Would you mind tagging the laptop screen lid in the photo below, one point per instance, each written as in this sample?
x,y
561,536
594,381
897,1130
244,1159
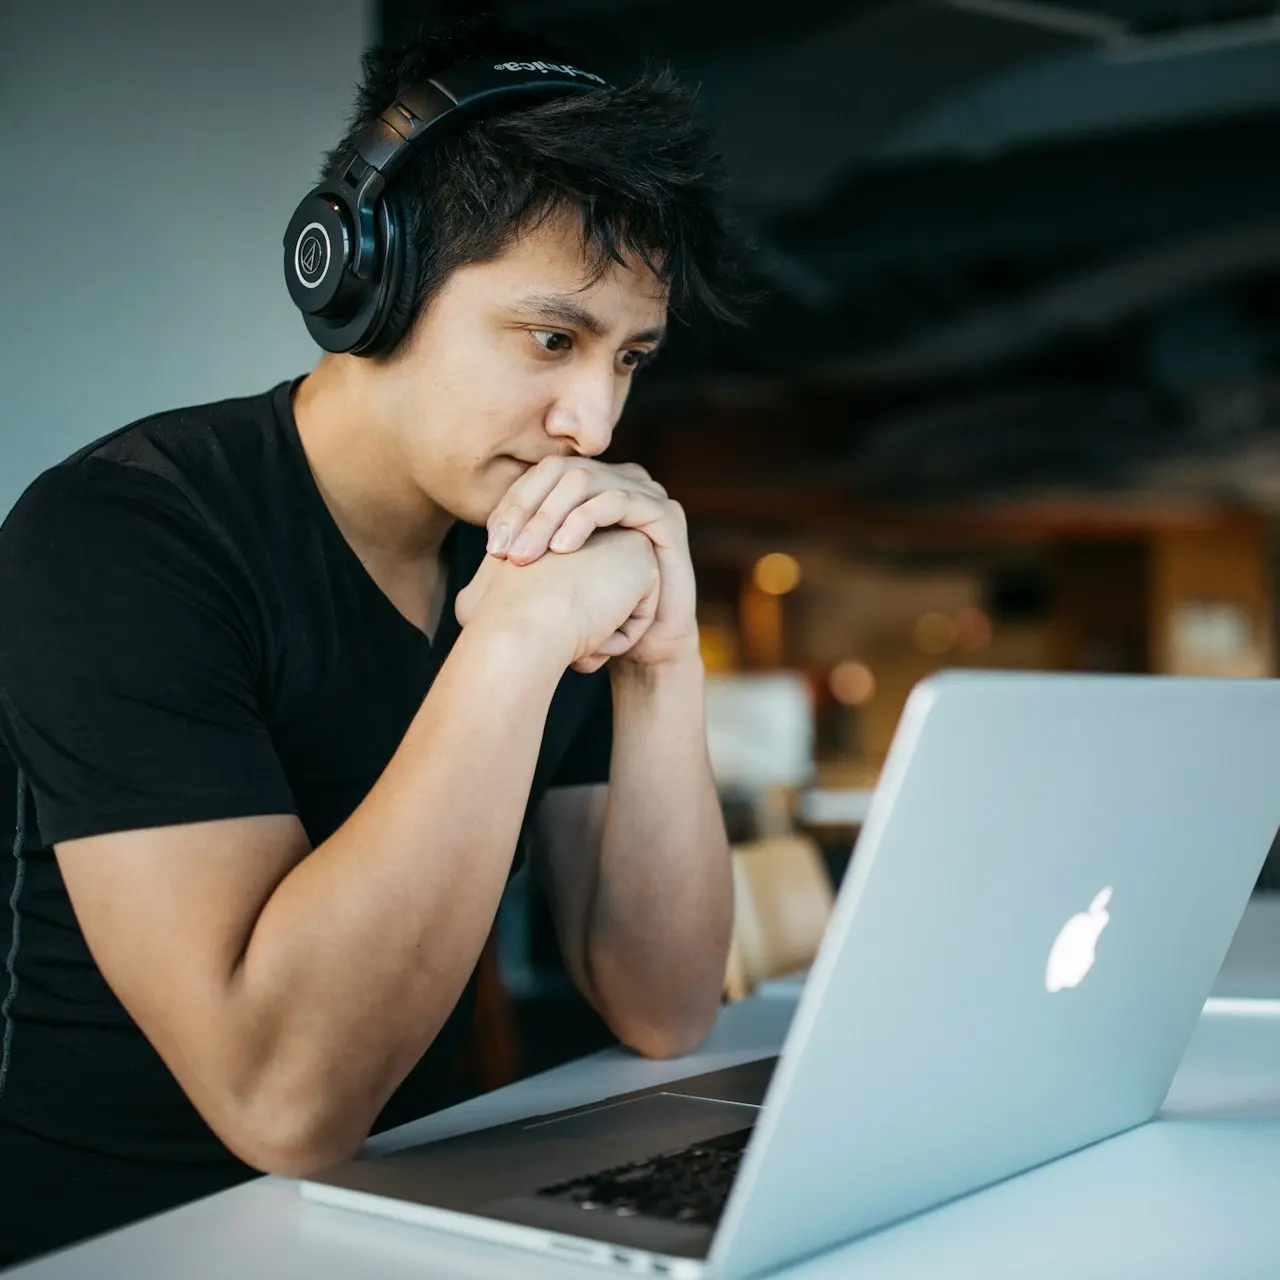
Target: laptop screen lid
x,y
1116,824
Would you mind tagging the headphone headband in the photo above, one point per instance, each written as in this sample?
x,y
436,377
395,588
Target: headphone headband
x,y
344,248
467,89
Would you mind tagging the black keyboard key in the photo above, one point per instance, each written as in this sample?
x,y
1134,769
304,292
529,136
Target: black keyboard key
x,y
688,1185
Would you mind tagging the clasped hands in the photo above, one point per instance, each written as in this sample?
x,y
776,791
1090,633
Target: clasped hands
x,y
609,536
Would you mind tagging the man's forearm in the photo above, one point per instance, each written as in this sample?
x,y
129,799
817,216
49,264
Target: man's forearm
x,y
658,931
360,954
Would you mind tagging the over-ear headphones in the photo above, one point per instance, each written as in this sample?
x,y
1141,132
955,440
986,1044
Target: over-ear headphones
x,y
349,260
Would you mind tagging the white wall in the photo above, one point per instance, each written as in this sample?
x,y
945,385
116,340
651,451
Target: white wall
x,y
151,153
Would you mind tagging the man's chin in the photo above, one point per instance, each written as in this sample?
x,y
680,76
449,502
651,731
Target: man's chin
x,y
491,487
464,508
478,506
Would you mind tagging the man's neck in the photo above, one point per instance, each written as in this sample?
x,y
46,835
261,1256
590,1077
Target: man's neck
x,y
389,522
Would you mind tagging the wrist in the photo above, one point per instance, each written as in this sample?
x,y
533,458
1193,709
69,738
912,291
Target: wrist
x,y
537,629
683,673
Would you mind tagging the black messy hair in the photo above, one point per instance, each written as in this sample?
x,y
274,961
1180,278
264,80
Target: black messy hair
x,y
632,161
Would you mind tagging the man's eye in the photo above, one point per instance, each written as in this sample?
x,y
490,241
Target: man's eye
x,y
636,359
551,339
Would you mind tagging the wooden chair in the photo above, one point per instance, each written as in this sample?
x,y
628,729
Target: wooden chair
x,y
491,1054
782,898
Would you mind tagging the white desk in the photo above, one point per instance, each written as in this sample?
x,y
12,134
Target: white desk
x,y
1189,1197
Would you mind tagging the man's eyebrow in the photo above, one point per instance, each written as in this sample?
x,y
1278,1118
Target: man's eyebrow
x,y
558,309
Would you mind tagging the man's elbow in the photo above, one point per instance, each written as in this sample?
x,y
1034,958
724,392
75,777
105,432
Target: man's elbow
x,y
667,1038
660,1044
657,1021
293,1142
299,1158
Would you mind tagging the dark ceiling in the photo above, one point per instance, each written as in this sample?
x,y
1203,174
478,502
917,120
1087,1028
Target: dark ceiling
x,y
1009,246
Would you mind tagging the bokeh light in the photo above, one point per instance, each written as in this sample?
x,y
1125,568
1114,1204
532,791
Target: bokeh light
x,y
973,629
777,573
935,633
852,683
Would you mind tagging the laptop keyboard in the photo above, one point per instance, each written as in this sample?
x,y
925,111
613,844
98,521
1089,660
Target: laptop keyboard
x,y
689,1185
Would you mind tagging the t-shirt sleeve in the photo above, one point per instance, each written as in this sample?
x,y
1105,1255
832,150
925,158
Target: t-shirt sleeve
x,y
586,759
129,658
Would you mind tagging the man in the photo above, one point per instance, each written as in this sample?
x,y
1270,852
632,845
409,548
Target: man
x,y
284,680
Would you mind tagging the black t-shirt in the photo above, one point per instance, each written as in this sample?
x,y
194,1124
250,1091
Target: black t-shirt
x,y
186,636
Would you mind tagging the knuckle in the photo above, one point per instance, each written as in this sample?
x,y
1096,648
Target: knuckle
x,y
636,472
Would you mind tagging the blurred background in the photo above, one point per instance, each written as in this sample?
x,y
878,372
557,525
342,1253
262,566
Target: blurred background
x,y
1012,399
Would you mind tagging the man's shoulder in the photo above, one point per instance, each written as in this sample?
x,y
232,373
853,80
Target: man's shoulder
x,y
235,442
176,467
190,437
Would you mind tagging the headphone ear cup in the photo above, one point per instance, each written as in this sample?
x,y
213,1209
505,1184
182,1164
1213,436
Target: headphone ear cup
x,y
402,281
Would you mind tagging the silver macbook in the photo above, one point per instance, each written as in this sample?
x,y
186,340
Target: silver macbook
x,y
1048,879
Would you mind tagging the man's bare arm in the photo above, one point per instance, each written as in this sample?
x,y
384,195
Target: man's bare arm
x,y
637,873
290,991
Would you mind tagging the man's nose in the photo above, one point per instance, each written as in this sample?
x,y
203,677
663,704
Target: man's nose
x,y
584,416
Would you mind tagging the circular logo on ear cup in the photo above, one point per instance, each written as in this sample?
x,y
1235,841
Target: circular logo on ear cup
x,y
311,255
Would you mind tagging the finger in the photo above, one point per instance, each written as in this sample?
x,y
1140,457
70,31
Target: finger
x,y
574,488
524,498
633,630
642,617
618,507
583,476
637,472
625,638
616,644
614,647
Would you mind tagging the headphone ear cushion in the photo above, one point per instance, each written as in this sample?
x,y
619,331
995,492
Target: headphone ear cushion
x,y
402,289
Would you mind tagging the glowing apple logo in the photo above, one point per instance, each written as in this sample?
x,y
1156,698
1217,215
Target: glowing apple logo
x,y
1074,948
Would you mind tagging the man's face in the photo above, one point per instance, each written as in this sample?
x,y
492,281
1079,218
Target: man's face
x,y
513,361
